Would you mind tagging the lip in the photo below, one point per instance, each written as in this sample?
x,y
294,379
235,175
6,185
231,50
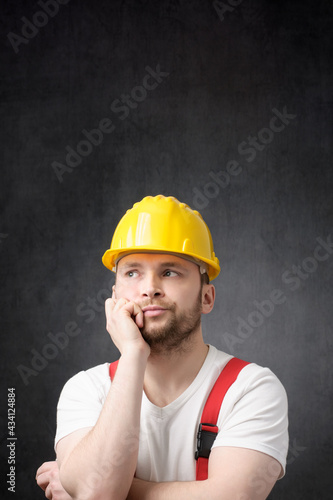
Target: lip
x,y
153,310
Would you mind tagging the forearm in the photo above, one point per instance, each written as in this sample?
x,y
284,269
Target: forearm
x,y
103,463
187,490
255,487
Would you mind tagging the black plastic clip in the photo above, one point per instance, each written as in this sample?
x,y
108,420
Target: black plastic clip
x,y
205,440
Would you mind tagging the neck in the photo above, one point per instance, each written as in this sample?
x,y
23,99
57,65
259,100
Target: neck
x,y
169,374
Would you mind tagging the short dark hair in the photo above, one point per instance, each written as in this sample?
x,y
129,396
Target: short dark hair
x,y
204,279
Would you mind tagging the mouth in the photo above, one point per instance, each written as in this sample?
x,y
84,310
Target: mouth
x,y
153,310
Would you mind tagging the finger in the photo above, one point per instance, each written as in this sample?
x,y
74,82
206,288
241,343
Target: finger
x,y
45,467
48,492
131,308
137,313
119,303
43,481
109,306
139,320
110,303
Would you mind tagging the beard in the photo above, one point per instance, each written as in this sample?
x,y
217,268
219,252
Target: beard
x,y
176,333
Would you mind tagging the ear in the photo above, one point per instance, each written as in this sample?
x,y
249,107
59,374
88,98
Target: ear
x,y
207,298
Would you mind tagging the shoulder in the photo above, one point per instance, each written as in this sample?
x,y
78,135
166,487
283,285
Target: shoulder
x,y
82,399
252,377
94,381
260,382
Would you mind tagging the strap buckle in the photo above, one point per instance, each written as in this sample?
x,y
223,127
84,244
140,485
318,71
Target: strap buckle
x,y
205,438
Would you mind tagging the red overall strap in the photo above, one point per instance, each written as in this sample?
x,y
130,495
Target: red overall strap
x,y
112,369
208,428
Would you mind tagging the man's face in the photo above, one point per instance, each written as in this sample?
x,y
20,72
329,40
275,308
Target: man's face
x,y
168,290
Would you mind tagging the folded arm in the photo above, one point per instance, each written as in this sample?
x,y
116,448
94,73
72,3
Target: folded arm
x,y
233,474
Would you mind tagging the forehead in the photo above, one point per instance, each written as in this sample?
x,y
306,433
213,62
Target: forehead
x,y
154,260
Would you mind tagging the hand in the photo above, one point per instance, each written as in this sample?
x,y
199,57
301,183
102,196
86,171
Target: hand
x,y
47,477
124,318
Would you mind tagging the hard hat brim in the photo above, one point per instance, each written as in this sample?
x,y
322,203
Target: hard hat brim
x,y
111,257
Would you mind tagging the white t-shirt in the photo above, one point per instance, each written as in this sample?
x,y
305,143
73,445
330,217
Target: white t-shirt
x,y
253,415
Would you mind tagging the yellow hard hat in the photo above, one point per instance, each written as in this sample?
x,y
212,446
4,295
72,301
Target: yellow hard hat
x,y
163,224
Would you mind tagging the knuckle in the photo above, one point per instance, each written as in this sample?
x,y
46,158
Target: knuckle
x,y
109,303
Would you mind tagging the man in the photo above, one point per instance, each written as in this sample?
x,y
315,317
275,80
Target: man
x,y
135,437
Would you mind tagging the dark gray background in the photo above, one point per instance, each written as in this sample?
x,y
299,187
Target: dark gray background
x,y
225,78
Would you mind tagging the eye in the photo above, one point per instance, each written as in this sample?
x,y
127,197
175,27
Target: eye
x,y
169,273
131,274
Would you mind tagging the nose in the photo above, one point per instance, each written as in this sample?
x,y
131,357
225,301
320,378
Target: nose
x,y
151,286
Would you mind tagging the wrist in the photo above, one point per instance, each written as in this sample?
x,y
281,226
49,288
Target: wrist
x,y
137,349
136,354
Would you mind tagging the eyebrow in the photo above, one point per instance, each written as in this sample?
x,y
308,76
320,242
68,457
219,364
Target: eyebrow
x,y
126,265
131,264
173,264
